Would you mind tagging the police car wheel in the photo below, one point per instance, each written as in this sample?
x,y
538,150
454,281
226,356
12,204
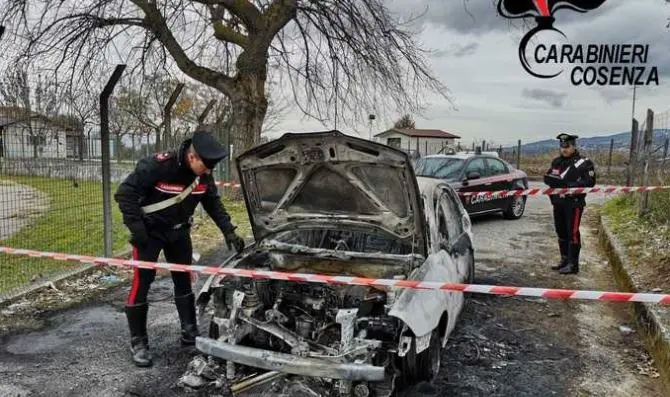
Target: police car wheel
x,y
516,208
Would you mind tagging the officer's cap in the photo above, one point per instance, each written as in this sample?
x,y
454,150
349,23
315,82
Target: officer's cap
x,y
208,148
567,139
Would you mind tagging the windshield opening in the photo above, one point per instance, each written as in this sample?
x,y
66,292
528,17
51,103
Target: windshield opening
x,y
436,167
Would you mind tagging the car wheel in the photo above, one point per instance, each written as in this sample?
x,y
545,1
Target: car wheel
x,y
417,368
516,208
428,361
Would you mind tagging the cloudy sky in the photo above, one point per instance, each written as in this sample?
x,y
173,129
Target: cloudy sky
x,y
495,99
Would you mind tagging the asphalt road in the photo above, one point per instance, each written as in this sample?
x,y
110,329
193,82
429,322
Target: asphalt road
x,y
503,346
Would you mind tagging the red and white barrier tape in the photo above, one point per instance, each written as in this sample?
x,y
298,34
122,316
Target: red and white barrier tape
x,y
574,190
227,184
536,191
345,280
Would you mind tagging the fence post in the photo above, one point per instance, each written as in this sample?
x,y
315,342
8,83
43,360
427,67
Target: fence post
x,y
518,155
106,163
205,113
609,161
648,141
632,156
665,152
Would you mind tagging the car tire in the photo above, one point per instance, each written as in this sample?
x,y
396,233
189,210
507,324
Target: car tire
x,y
516,208
429,360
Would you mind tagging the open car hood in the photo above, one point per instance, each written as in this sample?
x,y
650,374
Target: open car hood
x,y
331,180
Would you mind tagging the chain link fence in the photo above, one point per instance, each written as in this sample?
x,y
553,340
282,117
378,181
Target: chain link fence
x,y
52,168
50,181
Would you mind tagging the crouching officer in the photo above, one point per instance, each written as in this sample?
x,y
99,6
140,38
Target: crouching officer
x,y
569,170
157,201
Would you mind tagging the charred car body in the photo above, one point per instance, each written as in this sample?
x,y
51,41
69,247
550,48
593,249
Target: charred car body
x,y
328,203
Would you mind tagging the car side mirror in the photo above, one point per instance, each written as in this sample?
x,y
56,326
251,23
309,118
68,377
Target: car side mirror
x,y
473,175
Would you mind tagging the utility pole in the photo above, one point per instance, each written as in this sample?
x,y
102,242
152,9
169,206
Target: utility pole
x,y
633,111
336,86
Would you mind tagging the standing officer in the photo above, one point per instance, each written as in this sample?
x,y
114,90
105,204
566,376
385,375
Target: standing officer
x,y
157,201
569,170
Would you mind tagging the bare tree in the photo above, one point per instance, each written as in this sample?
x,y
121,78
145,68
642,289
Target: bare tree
x,y
405,122
30,100
353,53
84,109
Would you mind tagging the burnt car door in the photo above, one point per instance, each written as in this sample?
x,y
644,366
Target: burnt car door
x,y
475,179
453,225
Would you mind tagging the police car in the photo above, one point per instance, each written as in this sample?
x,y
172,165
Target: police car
x,y
478,172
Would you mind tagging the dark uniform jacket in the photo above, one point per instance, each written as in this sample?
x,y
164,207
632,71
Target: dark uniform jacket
x,y
570,172
157,178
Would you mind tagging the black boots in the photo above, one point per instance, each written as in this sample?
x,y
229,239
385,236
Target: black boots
x,y
137,322
563,246
187,317
572,267
139,342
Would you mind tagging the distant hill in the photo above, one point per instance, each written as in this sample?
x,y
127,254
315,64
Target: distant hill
x,y
621,143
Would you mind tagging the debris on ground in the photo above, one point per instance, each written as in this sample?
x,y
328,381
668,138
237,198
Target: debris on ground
x,y
626,330
68,292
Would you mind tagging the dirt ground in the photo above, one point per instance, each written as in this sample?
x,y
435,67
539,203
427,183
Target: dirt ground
x,y
503,346
17,214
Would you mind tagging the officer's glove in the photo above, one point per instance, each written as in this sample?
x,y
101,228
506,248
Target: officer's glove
x,y
138,235
233,240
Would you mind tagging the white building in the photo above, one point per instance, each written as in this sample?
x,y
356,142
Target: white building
x,y
25,134
423,142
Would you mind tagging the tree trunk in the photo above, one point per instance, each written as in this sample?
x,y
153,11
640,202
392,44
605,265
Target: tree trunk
x,y
249,109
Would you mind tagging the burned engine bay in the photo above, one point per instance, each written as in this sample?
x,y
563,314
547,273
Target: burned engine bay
x,y
308,320
345,325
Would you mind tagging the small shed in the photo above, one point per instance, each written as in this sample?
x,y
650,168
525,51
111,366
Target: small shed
x,y
421,141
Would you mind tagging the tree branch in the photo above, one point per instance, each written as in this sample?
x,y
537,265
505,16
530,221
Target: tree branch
x,y
246,11
277,16
225,32
243,9
158,26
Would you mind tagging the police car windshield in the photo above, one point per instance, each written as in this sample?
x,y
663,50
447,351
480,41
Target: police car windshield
x,y
440,167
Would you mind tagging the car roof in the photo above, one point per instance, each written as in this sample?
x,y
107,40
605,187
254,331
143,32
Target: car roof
x,y
461,155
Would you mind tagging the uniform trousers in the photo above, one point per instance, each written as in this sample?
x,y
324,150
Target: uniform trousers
x,y
567,219
177,250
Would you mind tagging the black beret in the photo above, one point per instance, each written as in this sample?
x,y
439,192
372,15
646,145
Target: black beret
x,y
566,137
208,148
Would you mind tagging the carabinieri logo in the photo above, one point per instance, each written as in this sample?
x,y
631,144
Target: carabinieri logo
x,y
607,55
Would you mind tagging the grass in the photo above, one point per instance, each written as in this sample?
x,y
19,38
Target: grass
x,y
73,223
646,238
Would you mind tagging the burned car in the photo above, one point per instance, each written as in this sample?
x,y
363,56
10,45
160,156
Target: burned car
x,y
331,204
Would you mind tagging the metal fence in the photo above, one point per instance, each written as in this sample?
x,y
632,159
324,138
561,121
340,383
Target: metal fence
x,y
49,187
621,163
60,168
